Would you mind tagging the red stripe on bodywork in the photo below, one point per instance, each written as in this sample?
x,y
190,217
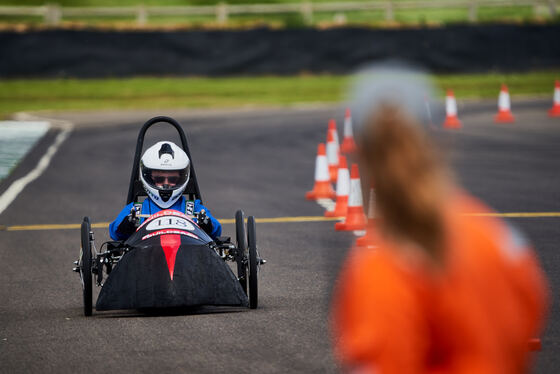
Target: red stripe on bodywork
x,y
170,245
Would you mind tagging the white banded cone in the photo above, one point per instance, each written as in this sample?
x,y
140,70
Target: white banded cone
x,y
355,217
343,182
355,198
332,127
322,169
503,101
348,145
335,136
504,107
451,120
332,155
555,110
348,133
322,188
342,190
450,105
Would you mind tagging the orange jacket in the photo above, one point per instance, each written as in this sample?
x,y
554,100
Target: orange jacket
x,y
474,314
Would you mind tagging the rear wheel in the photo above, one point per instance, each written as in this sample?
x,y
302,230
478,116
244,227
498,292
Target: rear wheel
x,y
85,266
240,259
253,263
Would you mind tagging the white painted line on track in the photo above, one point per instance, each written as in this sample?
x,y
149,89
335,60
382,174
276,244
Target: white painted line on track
x,y
16,139
18,185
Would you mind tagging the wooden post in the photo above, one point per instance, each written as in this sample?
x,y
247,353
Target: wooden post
x,y
389,14
53,14
221,13
307,12
141,15
552,8
473,10
536,9
339,18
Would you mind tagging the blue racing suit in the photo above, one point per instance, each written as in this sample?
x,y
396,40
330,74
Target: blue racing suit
x,y
149,207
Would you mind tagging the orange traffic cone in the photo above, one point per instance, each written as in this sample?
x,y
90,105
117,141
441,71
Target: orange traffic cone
x,y
332,127
322,188
504,113
332,155
451,120
342,190
348,144
368,238
355,217
555,110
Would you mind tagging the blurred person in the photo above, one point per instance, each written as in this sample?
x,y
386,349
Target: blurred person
x,y
442,291
164,173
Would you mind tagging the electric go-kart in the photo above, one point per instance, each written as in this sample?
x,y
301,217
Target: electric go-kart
x,y
169,262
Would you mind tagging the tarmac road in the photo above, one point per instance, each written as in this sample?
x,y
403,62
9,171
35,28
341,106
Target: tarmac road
x,y
262,162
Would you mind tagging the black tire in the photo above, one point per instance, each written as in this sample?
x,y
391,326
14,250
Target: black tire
x,y
253,263
241,240
85,267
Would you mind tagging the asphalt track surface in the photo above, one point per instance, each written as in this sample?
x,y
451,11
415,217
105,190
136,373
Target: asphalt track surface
x,y
262,162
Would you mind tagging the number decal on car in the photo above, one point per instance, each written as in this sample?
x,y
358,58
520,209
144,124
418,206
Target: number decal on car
x,y
169,222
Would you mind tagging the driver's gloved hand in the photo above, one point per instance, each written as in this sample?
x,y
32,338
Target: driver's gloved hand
x,y
204,222
129,224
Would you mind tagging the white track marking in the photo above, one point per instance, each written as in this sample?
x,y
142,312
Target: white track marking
x,y
16,139
18,185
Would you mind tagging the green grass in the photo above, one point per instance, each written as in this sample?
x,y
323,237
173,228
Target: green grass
x,y
77,3
148,2
166,93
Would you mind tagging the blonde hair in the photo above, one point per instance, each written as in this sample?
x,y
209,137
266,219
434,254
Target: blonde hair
x,y
410,180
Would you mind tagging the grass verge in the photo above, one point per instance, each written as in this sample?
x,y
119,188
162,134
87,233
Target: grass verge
x,y
179,92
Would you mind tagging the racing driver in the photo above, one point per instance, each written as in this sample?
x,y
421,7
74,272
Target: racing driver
x,y
164,172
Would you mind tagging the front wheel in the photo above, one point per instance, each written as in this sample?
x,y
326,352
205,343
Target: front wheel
x,y
253,261
85,266
241,249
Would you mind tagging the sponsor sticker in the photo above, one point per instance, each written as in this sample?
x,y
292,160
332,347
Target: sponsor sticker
x,y
138,208
189,208
168,232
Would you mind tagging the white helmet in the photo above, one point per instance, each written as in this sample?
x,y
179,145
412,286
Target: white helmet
x,y
160,159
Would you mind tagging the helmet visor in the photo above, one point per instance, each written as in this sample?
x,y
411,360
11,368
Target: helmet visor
x,y
165,180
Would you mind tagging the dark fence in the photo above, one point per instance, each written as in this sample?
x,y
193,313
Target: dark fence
x,y
68,53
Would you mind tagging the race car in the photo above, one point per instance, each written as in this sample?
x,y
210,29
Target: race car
x,y
169,262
